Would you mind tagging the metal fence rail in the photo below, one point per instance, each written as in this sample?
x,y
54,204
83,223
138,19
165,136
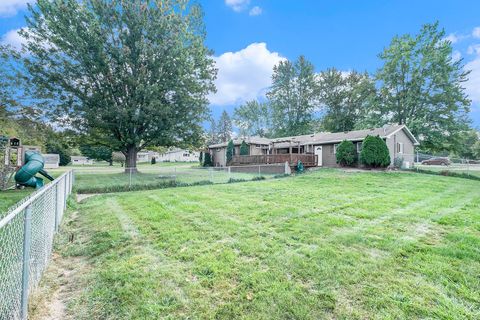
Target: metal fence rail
x,y
26,240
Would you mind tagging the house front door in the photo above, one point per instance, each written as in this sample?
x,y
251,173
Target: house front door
x,y
318,152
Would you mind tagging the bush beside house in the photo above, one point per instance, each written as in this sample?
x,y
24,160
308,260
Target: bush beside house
x,y
230,151
374,152
244,151
207,160
346,154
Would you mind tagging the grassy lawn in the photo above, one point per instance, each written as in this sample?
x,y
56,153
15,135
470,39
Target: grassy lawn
x,y
471,169
108,180
323,245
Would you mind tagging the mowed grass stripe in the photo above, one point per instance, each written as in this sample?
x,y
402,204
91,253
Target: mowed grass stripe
x,y
323,245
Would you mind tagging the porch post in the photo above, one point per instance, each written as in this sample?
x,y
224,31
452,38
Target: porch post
x,y
290,151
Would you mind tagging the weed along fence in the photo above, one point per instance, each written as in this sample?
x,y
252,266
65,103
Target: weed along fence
x,y
26,240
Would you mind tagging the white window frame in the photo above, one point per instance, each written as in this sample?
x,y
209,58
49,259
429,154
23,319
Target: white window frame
x,y
400,147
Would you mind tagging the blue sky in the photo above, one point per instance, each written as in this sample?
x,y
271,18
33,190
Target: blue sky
x,y
248,37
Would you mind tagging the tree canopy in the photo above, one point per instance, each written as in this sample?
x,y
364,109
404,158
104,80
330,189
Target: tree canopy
x,y
130,73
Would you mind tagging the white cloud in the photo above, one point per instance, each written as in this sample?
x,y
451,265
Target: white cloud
x,y
237,5
472,86
13,39
244,75
473,49
452,37
11,7
476,32
456,55
255,11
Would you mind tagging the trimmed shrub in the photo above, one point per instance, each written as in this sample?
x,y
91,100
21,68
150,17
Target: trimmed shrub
x,y
200,157
258,178
299,167
230,151
346,154
244,150
207,161
234,180
374,152
154,160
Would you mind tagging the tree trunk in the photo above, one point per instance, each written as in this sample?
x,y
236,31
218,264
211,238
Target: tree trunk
x,y
131,159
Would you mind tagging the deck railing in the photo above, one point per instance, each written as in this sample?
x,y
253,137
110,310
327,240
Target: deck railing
x,y
308,160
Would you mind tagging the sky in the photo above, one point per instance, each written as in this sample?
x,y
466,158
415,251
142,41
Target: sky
x,y
248,37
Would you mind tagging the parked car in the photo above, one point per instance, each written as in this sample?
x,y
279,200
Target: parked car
x,y
437,161
473,161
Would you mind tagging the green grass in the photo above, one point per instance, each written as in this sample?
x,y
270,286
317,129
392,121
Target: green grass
x,y
323,245
468,170
114,180
10,197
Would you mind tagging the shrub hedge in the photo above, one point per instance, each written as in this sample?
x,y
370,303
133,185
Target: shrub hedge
x,y
374,152
346,154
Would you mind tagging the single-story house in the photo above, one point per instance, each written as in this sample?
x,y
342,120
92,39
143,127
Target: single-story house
x,y
52,160
146,156
318,149
81,160
179,155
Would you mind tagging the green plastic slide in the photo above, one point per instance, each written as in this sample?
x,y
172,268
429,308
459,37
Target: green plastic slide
x,y
25,176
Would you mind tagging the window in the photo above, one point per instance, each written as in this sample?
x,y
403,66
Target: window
x,y
335,146
258,146
359,147
399,147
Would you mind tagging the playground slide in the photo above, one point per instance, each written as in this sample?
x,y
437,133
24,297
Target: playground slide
x,y
34,163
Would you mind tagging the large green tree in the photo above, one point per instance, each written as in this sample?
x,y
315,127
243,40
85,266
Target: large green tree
x,y
293,97
345,97
253,118
422,87
132,74
97,152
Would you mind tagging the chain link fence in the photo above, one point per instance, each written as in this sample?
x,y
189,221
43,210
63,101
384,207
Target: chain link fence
x,y
439,164
26,240
115,179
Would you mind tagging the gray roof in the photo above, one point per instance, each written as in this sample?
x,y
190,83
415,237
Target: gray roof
x,y
248,140
327,137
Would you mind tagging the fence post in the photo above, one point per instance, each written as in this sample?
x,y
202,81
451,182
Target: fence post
x,y
27,232
229,172
175,174
259,172
57,209
65,194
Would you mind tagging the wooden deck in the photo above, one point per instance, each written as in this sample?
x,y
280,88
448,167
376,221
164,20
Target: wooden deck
x,y
308,160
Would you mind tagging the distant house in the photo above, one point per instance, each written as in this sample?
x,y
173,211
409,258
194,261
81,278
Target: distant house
x,y
318,149
146,156
179,155
52,160
81,160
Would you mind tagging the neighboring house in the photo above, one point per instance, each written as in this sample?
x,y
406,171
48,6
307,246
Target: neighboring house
x,y
317,149
52,160
81,160
146,156
179,155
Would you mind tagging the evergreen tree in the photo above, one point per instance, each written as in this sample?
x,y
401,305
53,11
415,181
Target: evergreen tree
x,y
200,157
346,154
244,149
293,97
208,161
374,152
225,127
153,161
230,151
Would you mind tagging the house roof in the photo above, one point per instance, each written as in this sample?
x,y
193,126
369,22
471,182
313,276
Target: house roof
x,y
248,140
327,137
